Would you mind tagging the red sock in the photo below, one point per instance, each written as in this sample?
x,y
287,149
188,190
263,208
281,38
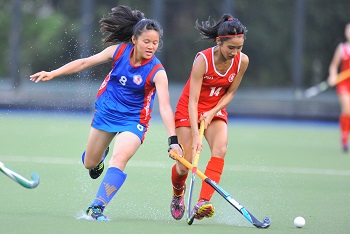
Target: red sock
x,y
344,121
178,181
213,171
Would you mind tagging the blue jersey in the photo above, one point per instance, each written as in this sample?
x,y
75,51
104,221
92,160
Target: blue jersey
x,y
125,99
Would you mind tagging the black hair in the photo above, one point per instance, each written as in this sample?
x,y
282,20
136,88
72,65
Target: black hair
x,y
122,23
227,25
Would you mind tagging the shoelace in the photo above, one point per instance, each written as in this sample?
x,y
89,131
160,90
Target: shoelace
x,y
177,203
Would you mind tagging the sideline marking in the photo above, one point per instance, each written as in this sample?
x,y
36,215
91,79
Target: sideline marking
x,y
161,164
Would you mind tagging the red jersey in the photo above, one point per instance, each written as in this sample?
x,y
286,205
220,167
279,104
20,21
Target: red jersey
x,y
214,86
344,86
345,57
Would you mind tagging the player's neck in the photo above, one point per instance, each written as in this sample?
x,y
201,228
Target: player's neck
x,y
135,60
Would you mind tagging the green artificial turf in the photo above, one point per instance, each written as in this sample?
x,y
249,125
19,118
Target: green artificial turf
x,y
279,169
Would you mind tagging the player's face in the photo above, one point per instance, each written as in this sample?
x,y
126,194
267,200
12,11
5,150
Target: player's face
x,y
147,44
231,47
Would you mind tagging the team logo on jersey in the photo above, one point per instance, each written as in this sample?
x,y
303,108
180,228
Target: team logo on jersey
x,y
137,79
231,77
209,77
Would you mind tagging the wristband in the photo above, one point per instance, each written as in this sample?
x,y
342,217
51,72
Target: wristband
x,y
172,140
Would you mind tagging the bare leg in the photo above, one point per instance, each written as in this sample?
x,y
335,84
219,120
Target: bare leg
x,y
97,143
125,146
184,135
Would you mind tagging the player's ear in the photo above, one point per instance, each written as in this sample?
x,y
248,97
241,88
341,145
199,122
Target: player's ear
x,y
218,41
133,39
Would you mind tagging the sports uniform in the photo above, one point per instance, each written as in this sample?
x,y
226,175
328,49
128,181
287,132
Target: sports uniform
x,y
343,87
125,99
214,86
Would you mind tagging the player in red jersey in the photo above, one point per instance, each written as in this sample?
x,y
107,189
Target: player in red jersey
x,y
342,57
215,76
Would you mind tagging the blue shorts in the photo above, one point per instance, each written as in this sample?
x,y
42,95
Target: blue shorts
x,y
115,124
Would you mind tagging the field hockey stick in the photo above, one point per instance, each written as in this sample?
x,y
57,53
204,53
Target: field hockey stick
x,y
249,216
194,169
30,184
323,86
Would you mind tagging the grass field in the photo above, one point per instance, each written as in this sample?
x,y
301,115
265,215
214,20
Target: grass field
x,y
279,169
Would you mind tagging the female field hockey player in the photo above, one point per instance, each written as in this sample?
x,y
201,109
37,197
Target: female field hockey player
x,y
215,76
124,101
342,58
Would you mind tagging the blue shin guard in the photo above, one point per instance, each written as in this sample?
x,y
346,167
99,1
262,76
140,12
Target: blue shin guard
x,y
109,186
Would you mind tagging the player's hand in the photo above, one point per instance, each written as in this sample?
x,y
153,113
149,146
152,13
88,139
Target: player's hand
x,y
197,145
207,117
332,81
177,148
42,76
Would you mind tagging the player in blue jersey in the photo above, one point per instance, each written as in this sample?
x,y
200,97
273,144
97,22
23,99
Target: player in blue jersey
x,y
124,101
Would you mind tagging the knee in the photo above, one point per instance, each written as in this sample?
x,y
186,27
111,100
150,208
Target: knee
x,y
220,151
181,169
89,164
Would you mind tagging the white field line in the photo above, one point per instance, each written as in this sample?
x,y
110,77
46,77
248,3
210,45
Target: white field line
x,y
161,164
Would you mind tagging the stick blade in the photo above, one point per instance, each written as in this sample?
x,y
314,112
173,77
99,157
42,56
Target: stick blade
x,y
35,180
311,92
316,90
265,224
190,220
29,184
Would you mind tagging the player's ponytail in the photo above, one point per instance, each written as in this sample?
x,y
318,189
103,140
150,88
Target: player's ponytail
x,y
226,26
118,25
122,23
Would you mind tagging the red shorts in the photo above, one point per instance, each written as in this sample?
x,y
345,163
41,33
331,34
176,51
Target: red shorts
x,y
182,120
343,88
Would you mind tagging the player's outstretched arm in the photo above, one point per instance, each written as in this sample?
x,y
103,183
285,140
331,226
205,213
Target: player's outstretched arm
x,y
76,65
